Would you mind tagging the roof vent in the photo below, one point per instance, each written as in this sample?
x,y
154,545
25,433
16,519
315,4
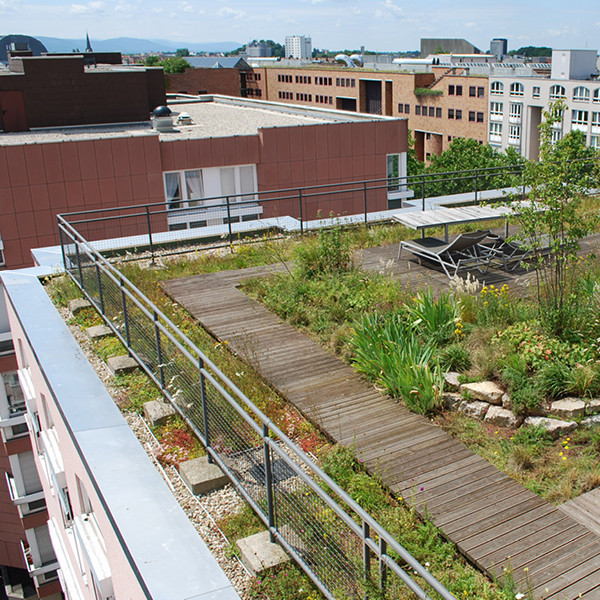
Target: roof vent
x,y
162,119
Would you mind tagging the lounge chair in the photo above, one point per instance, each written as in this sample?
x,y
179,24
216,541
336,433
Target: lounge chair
x,y
463,253
510,254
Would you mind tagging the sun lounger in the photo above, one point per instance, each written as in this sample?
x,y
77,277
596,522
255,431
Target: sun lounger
x,y
465,252
509,255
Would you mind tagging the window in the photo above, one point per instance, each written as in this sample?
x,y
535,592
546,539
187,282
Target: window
x,y
432,111
428,136
451,90
407,109
472,91
496,132
514,134
496,109
480,117
451,113
556,135
595,142
515,111
417,109
580,119
516,89
438,113
557,91
480,92
581,94
393,172
459,115
595,122
400,107
536,91
497,87
597,95
472,116
459,90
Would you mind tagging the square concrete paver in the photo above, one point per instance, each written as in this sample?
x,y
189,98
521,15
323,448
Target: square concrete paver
x,y
258,553
201,476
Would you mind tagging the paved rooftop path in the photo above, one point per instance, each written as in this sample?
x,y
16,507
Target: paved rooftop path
x,y
488,515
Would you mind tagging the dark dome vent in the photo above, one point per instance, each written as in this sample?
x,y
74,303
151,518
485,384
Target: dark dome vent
x,y
162,111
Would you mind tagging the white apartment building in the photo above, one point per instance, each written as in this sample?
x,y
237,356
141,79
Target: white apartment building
x,y
298,46
516,104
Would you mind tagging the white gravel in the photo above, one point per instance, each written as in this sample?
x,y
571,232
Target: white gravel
x,y
203,511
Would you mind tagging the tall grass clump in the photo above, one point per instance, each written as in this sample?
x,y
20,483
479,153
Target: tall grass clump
x,y
387,349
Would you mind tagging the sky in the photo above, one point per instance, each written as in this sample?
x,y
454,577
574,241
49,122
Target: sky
x,y
379,25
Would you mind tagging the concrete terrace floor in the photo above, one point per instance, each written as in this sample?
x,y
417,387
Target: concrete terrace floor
x,y
488,515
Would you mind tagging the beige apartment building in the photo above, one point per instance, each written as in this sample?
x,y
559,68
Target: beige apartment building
x,y
439,106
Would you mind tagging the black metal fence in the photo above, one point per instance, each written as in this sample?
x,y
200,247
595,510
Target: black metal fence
x,y
220,221
343,550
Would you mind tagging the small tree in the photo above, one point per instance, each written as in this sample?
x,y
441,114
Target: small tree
x,y
175,65
182,52
554,217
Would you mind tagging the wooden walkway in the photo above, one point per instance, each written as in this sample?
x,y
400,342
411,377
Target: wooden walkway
x,y
488,515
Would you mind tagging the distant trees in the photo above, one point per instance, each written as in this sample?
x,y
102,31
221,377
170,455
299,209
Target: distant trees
x,y
530,51
172,64
181,52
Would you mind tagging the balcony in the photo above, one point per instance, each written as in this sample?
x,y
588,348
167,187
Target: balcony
x,y
18,497
42,572
53,458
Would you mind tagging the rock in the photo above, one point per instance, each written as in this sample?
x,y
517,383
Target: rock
x,y
476,409
158,412
568,408
554,427
591,421
79,304
506,403
486,391
452,400
451,380
593,407
118,365
201,476
258,553
502,417
98,332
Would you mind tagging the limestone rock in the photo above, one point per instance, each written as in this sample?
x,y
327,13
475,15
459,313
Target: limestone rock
x,y
568,408
502,417
451,380
593,407
486,391
476,409
452,400
590,421
506,403
554,427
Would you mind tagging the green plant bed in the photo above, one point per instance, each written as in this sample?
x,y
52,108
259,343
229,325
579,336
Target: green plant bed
x,y
556,470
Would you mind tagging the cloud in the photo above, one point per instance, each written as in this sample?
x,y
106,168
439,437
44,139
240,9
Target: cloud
x,y
471,24
389,5
85,9
389,9
230,13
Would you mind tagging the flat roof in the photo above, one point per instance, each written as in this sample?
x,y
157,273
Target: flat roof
x,y
212,116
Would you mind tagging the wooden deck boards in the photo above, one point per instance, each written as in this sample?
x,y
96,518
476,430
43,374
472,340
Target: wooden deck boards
x,y
487,514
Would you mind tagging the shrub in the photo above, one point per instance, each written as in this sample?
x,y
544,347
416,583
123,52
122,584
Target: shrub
x,y
328,253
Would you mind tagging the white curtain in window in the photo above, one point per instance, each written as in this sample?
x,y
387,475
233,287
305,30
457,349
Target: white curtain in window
x,y
228,183
195,186
173,189
247,183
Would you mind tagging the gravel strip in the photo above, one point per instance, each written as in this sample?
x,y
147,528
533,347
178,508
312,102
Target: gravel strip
x,y
202,511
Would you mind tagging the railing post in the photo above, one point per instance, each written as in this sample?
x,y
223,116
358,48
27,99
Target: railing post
x,y
62,247
365,200
149,225
204,410
382,565
78,263
476,184
366,553
300,214
125,315
99,283
229,223
423,189
269,482
159,356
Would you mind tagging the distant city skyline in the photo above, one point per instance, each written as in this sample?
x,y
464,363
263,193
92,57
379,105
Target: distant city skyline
x,y
382,25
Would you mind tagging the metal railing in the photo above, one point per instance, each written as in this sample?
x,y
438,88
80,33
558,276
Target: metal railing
x,y
225,219
345,552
